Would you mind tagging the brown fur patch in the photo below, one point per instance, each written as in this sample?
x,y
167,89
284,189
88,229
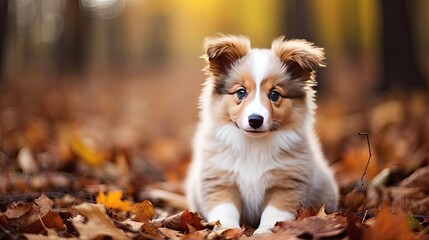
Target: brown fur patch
x,y
299,56
221,53
219,187
288,189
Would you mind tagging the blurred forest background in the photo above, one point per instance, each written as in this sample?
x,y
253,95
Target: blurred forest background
x,y
101,95
125,75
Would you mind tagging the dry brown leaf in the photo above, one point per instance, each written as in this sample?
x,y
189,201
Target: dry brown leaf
x,y
143,212
172,222
150,229
171,233
190,219
30,236
233,232
420,207
197,235
302,212
389,226
274,236
98,223
19,210
43,204
329,227
354,226
418,179
50,220
4,221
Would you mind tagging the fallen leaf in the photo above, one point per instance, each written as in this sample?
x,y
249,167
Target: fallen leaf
x,y
389,226
113,200
97,224
232,232
50,220
184,222
43,204
199,235
302,212
314,227
150,229
418,179
354,160
83,151
354,226
322,212
143,212
190,219
30,236
19,210
171,233
172,222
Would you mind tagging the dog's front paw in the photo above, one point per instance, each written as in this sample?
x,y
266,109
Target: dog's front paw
x,y
263,230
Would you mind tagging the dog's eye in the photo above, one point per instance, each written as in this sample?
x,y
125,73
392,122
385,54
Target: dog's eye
x,y
241,93
274,96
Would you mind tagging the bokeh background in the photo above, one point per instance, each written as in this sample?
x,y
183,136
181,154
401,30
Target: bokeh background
x,y
123,76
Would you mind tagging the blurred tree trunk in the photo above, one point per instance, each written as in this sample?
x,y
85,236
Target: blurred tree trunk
x,y
298,20
400,64
70,48
3,25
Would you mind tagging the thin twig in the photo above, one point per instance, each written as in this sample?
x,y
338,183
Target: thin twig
x,y
364,216
369,155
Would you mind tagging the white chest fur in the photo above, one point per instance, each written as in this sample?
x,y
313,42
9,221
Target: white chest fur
x,y
250,159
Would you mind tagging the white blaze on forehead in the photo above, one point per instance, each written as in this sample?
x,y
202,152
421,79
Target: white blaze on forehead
x,y
259,63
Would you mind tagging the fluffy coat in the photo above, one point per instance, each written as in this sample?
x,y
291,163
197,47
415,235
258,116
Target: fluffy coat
x,y
256,156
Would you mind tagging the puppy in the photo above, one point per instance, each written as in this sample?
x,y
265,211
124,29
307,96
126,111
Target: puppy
x,y
255,154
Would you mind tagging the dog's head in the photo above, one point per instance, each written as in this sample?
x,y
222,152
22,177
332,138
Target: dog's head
x,y
261,90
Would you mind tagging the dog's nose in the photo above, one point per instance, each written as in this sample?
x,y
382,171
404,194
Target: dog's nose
x,y
255,120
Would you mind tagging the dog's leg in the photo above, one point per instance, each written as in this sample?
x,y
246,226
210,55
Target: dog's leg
x,y
221,198
227,214
270,216
282,199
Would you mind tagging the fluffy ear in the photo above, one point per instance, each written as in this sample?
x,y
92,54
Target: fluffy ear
x,y
299,56
221,52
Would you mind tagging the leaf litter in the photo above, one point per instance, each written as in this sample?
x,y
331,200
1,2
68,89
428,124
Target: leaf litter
x,y
70,179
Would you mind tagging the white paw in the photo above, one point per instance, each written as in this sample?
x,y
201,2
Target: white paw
x,y
227,214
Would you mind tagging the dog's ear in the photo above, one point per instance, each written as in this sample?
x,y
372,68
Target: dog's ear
x,y
221,52
299,56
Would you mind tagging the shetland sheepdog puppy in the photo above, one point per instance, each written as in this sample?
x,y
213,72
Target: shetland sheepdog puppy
x,y
255,154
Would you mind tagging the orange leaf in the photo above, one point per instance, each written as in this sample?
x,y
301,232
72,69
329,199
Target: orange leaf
x,y
113,200
389,226
143,211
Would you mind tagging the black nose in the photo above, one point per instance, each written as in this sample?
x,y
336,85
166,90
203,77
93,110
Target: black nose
x,y
255,120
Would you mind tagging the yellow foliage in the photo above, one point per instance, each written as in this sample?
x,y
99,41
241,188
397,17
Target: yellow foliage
x,y
83,151
113,200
